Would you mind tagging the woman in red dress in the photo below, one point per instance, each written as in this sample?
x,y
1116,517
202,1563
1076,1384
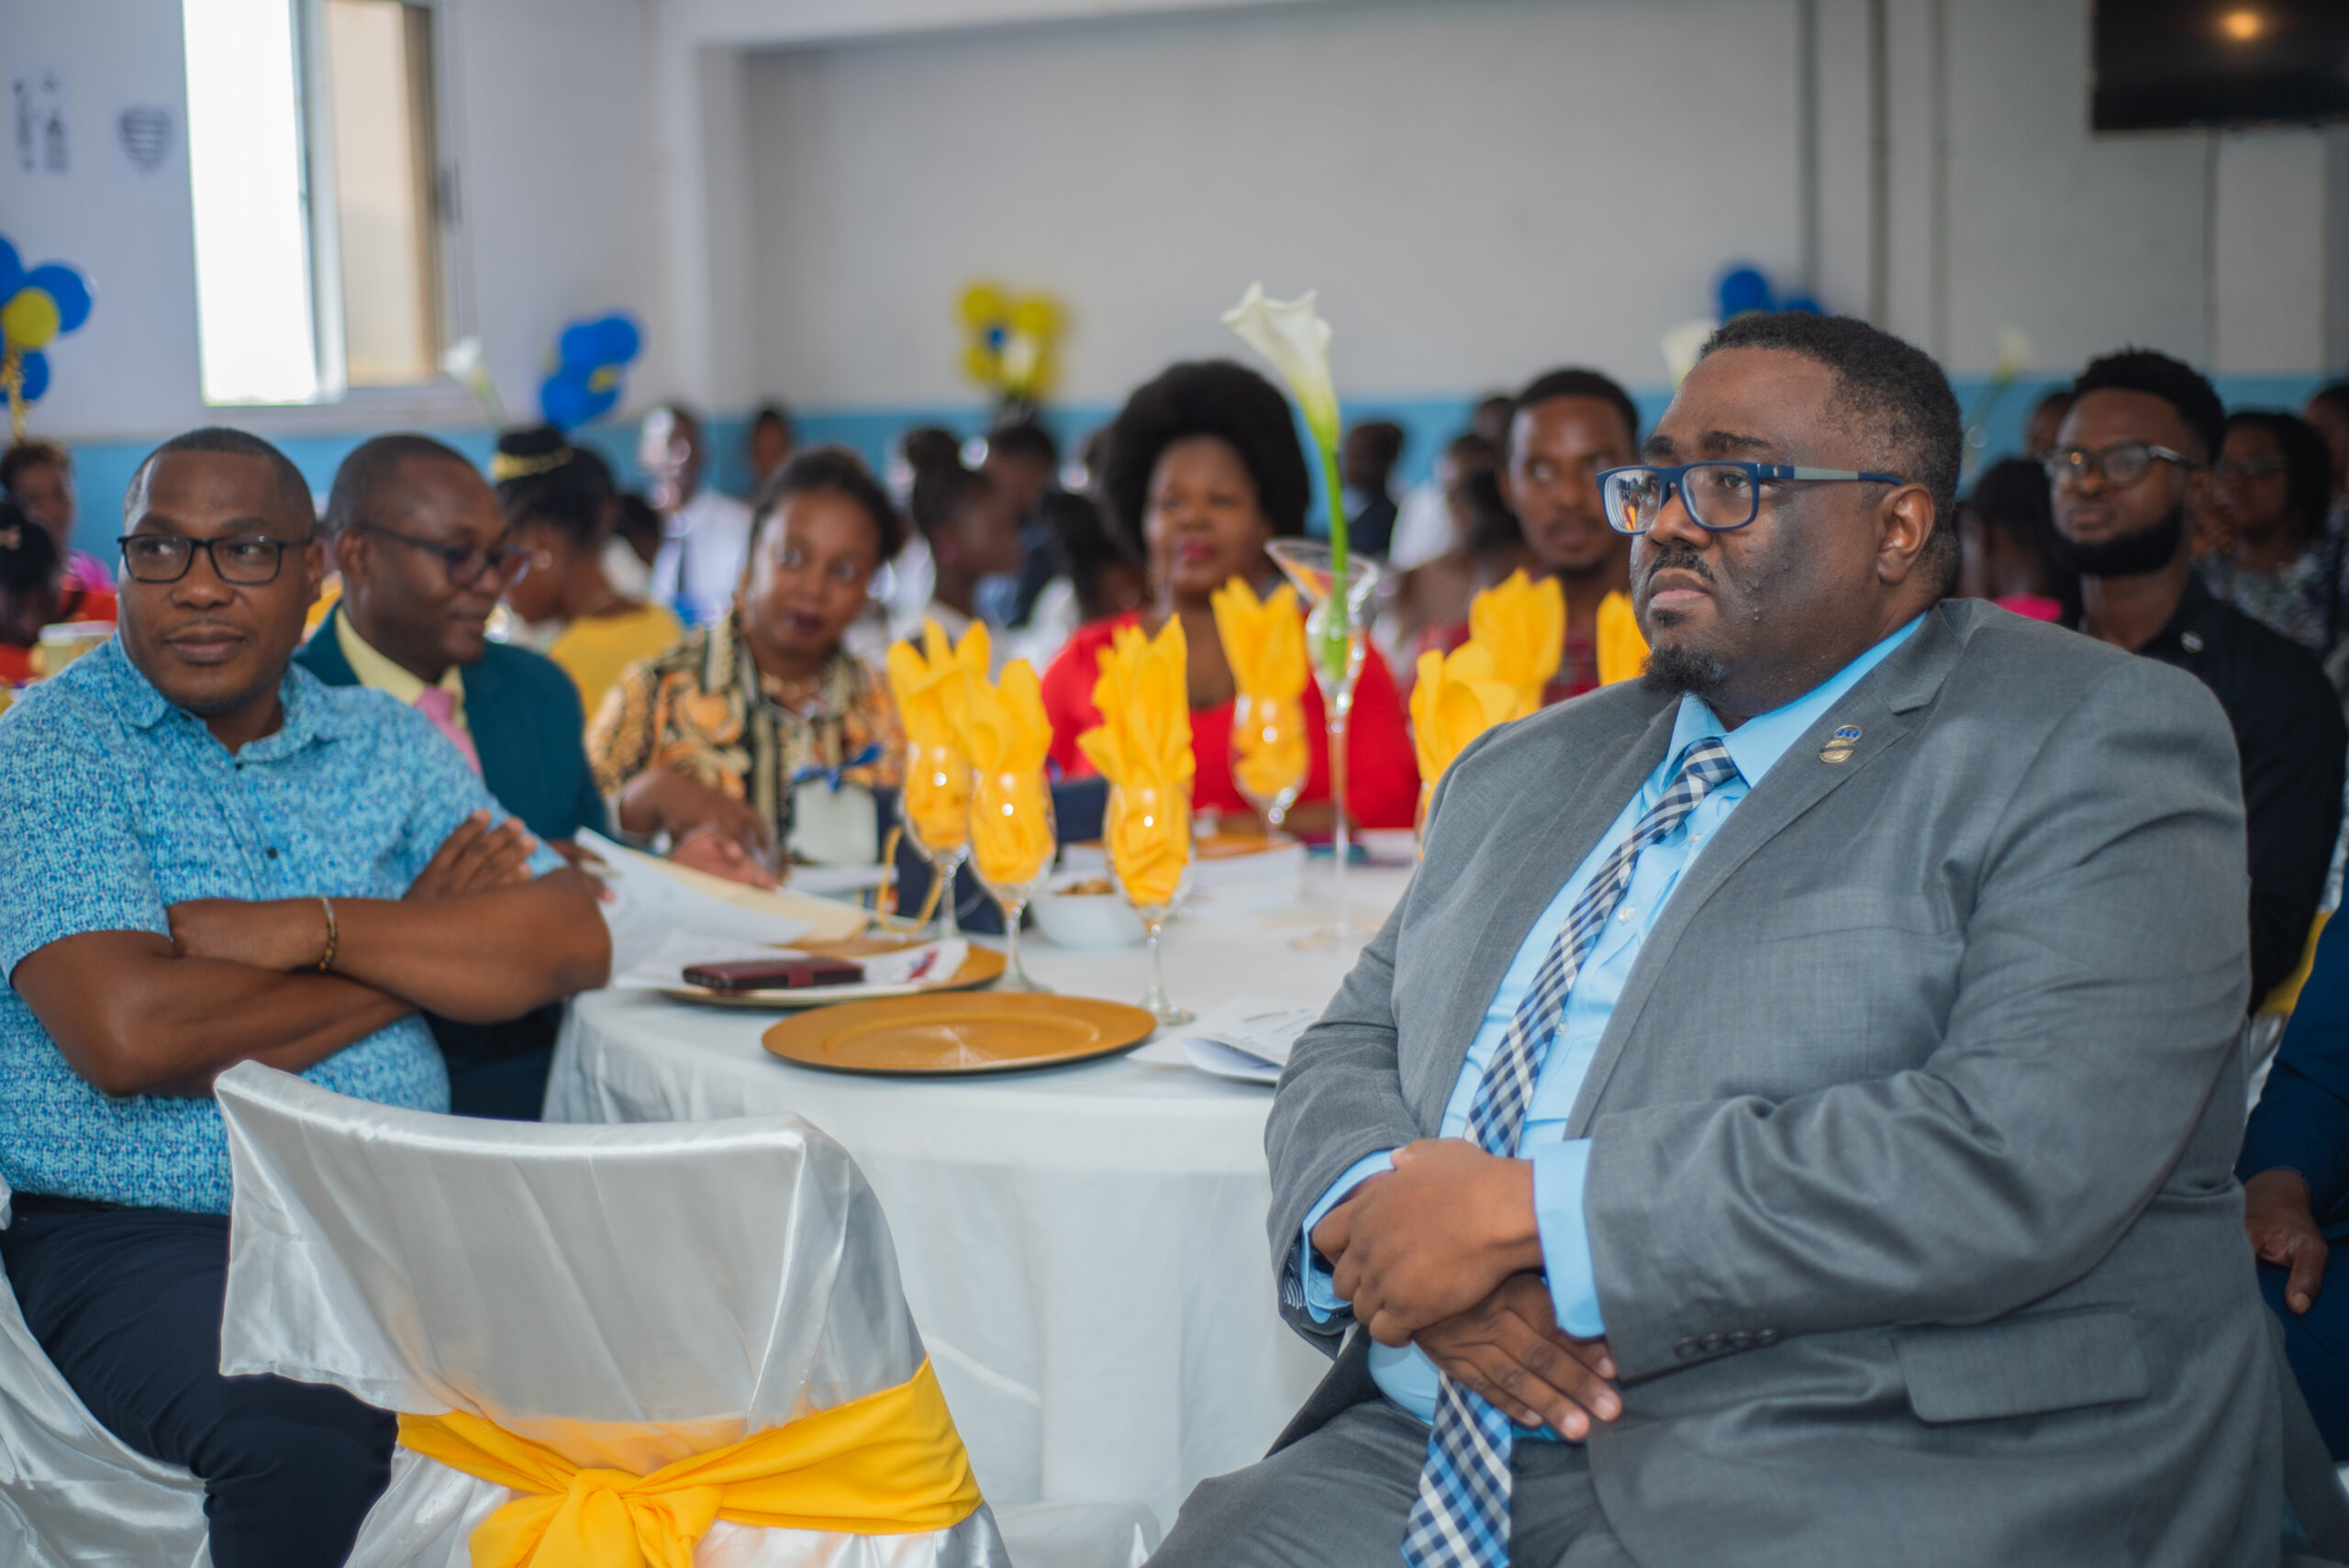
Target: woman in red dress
x,y
1204,464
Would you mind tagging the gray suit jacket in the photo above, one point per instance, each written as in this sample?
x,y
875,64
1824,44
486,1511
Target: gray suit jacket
x,y
1909,1194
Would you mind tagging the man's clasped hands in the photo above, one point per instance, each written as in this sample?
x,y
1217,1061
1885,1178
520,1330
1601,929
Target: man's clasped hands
x,y
1444,1252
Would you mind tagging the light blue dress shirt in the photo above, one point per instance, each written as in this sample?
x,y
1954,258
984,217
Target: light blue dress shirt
x,y
1560,1162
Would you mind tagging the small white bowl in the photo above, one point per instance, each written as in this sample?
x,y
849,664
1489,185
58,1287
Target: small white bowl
x,y
1085,919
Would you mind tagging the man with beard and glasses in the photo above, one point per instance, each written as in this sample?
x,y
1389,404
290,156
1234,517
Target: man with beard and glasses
x,y
1566,428
1788,1117
2131,464
212,858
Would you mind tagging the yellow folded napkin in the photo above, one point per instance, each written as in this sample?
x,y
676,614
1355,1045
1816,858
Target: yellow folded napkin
x,y
1143,746
890,1463
1006,736
1456,700
1623,651
1263,641
1523,625
933,685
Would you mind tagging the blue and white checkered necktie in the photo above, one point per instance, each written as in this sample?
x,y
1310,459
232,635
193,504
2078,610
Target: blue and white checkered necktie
x,y
1461,1519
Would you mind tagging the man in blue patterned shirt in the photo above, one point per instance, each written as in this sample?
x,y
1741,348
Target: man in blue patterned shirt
x,y
212,858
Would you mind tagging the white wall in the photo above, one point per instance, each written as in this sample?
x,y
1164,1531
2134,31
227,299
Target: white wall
x,y
1468,186
548,101
1484,186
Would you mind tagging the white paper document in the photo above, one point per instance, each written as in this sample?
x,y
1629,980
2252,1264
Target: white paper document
x,y
1247,1038
655,913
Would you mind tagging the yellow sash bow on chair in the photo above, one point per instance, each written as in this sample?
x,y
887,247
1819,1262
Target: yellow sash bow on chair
x,y
890,1463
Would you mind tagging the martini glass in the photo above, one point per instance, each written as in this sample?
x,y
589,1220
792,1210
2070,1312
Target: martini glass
x,y
1337,638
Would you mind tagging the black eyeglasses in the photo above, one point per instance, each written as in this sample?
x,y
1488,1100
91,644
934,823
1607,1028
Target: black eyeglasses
x,y
1718,495
467,563
2122,463
248,560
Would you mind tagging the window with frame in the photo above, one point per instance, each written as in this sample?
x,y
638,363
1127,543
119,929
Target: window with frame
x,y
318,195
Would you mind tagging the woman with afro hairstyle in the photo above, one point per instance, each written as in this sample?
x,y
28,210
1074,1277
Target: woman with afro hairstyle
x,y
1204,466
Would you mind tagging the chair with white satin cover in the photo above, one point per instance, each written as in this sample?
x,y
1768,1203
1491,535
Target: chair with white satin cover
x,y
70,1492
627,1296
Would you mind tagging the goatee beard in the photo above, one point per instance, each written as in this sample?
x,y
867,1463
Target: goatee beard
x,y
2136,555
1677,670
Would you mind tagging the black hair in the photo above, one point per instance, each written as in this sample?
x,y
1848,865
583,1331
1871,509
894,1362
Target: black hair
x,y
2308,465
635,519
1089,542
1385,439
28,558
1025,438
2334,395
1208,397
2010,499
31,453
549,480
924,446
1576,383
1892,389
1474,448
2175,381
1492,526
372,469
942,490
293,490
2053,397
832,471
773,414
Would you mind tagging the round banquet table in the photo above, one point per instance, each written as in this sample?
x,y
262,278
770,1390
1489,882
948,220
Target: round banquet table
x,y
1084,1247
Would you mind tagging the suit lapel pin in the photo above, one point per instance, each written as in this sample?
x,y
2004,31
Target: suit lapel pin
x,y
1839,745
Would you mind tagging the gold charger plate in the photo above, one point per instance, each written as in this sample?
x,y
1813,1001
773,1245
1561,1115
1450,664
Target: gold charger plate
x,y
935,1037
979,968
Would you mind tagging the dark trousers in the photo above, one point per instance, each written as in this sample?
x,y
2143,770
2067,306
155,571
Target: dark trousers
x,y
2317,1344
127,1303
500,1071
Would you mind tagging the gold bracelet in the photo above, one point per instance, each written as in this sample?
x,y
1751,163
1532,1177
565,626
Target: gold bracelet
x,y
326,959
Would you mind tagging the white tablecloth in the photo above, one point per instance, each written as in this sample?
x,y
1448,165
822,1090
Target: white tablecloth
x,y
1083,1248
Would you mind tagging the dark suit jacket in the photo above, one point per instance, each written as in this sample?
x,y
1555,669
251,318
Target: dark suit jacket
x,y
527,724
2301,1122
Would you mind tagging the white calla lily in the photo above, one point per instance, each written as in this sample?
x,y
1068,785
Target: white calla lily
x,y
1292,334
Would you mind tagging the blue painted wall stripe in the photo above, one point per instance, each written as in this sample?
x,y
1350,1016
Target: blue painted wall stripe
x,y
103,469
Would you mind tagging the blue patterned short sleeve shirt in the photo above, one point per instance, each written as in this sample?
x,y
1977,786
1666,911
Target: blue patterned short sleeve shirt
x,y
119,805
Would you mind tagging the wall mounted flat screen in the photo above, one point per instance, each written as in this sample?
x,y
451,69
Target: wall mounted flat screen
x,y
2187,62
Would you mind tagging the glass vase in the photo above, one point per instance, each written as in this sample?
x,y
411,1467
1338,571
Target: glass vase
x,y
1337,640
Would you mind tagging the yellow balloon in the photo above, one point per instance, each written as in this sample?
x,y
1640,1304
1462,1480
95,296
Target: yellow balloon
x,y
30,320
982,303
1037,316
980,363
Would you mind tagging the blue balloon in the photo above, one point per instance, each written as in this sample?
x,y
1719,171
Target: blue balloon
x,y
578,348
618,339
1803,303
12,271
566,399
34,366
67,287
1742,289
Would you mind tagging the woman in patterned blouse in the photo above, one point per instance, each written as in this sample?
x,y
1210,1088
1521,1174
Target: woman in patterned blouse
x,y
708,742
2275,561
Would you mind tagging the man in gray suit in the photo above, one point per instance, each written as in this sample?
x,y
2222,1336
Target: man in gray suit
x,y
1804,1081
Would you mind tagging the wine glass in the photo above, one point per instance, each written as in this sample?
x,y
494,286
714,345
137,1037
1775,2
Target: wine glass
x,y
1146,829
1337,640
1269,755
1012,844
936,812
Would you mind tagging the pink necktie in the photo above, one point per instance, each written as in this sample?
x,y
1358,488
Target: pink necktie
x,y
439,705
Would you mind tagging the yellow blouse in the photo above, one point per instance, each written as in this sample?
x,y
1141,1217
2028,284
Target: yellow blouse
x,y
594,649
